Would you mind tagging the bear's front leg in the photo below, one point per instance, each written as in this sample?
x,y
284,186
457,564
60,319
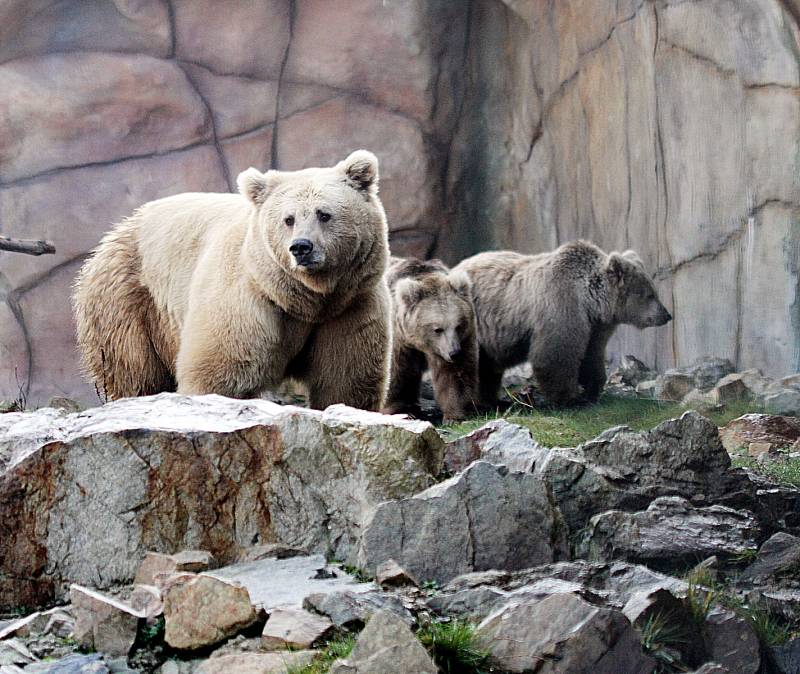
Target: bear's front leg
x,y
350,354
406,375
592,373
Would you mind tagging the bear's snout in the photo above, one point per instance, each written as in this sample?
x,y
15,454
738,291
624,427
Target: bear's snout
x,y
301,249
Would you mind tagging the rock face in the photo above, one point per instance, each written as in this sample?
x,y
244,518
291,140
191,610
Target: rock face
x,y
621,122
169,472
484,518
623,469
669,533
562,634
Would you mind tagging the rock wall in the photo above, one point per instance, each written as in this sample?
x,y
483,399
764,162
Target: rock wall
x,y
668,126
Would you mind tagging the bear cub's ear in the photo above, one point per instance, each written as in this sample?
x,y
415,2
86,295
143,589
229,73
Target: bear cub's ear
x,y
459,281
615,268
409,291
256,186
361,169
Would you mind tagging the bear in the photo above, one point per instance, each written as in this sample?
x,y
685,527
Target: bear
x,y
557,310
433,328
233,293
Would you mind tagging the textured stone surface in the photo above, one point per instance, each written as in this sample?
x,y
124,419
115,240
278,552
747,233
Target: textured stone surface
x,y
484,518
102,623
777,558
670,532
732,642
201,611
563,634
778,431
497,442
351,610
294,628
386,646
623,469
255,663
72,664
170,472
155,563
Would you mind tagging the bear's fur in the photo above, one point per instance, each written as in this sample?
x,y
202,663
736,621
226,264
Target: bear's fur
x,y
434,328
558,310
201,292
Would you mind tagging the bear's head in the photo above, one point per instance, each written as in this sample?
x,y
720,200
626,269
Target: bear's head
x,y
318,224
434,313
636,300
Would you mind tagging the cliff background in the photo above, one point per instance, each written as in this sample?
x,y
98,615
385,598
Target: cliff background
x,y
668,126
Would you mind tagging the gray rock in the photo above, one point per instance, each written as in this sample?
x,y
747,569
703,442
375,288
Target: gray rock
x,y
155,563
139,469
475,602
784,402
294,629
778,556
631,372
497,442
390,574
71,664
646,389
623,469
283,583
732,642
351,611
386,646
712,668
562,634
673,385
707,372
787,657
14,652
670,532
103,623
732,388
255,663
483,518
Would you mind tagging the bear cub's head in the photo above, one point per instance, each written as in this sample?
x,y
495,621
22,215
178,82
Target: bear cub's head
x,y
318,223
637,301
434,313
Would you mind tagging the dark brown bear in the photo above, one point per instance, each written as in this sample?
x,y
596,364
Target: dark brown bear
x,y
558,310
434,328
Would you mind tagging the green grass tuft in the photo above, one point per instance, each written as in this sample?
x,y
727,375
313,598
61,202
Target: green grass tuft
x,y
337,648
661,636
569,427
783,470
454,647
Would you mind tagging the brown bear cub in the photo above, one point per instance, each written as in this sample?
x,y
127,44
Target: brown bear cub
x,y
233,293
434,328
558,310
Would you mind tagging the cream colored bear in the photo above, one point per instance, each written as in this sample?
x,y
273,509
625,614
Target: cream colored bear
x,y
233,293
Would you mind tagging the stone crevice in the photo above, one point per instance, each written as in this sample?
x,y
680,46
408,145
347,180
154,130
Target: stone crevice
x,y
173,31
274,146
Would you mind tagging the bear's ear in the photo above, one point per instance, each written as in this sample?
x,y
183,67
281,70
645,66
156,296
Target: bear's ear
x,y
459,281
615,269
256,186
633,257
409,291
361,169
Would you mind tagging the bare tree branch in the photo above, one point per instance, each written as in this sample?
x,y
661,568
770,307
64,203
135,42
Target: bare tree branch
x,y
27,246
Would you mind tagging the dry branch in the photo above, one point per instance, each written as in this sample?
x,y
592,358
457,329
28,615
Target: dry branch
x,y
27,246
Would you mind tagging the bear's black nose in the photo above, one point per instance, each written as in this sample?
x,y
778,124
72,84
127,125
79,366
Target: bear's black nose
x,y
456,350
301,248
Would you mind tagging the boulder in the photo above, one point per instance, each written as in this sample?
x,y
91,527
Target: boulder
x,y
631,372
777,431
497,442
624,469
13,652
787,657
673,385
256,663
731,642
170,472
294,629
390,574
731,388
386,646
201,611
72,664
783,402
352,610
777,558
102,623
483,518
156,563
669,533
562,634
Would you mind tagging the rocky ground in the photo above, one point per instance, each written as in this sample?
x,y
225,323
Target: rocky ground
x,y
202,535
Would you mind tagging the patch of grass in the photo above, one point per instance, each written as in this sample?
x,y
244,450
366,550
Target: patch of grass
x,y
454,647
660,637
360,575
783,470
699,601
568,427
333,650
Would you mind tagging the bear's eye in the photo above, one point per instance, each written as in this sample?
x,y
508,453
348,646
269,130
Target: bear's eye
x,y
322,216
438,331
289,220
